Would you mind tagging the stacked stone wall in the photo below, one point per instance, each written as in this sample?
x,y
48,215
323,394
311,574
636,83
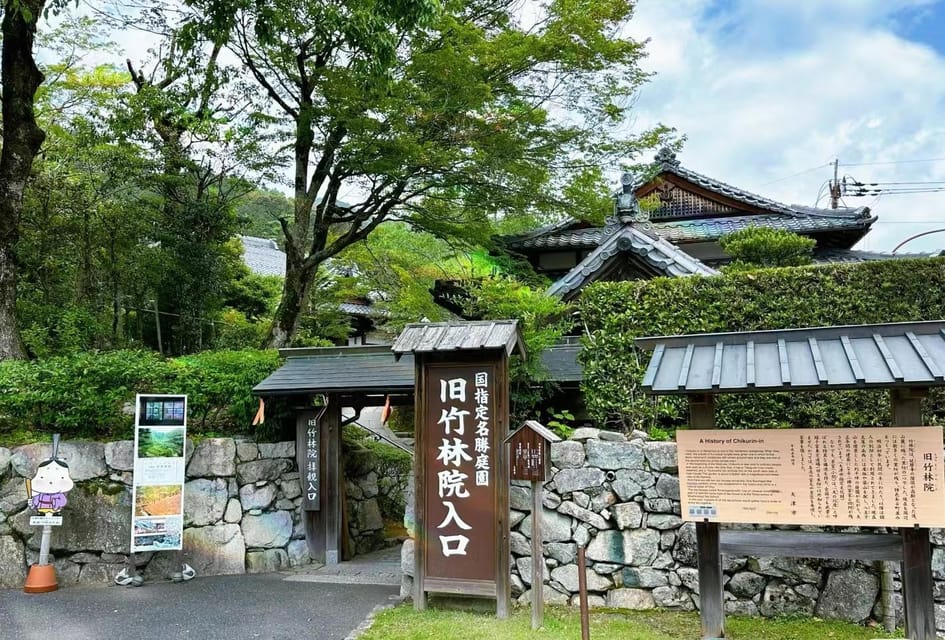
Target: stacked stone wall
x,y
241,511
619,498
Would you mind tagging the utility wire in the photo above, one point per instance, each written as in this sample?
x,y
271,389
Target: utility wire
x,y
870,164
799,173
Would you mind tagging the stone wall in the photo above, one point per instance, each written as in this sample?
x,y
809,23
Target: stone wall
x,y
240,511
619,498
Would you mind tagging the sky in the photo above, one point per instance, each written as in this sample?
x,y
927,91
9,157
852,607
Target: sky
x,y
768,93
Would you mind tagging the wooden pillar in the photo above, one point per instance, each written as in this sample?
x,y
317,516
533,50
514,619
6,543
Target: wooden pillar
x,y
323,527
419,506
702,416
906,411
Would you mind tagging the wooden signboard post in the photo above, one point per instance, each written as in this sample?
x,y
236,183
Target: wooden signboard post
x,y
462,495
530,455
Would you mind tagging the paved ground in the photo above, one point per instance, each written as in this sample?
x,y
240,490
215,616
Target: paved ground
x,y
296,606
380,567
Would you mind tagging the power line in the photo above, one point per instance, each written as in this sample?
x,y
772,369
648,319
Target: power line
x,y
870,164
799,173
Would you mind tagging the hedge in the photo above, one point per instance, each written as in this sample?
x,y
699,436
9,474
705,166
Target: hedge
x,y
91,395
614,313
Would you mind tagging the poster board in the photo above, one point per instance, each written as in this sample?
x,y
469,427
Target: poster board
x,y
462,471
880,477
157,516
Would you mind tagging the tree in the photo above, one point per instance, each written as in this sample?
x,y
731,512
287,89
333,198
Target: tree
x,y
449,116
755,247
22,139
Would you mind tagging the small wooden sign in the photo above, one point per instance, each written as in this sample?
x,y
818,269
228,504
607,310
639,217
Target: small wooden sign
x,y
311,470
530,446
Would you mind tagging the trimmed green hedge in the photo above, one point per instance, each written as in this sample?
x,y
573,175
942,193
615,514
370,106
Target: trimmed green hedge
x,y
91,395
615,313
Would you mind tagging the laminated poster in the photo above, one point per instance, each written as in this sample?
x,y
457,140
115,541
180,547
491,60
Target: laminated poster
x,y
158,493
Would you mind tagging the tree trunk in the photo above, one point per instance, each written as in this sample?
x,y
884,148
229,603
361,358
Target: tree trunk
x,y
22,139
295,294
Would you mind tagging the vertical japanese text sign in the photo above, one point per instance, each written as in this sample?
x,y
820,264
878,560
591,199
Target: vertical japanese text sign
x,y
309,467
461,471
158,489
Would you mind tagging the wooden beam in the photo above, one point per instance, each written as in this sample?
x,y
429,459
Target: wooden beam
x,y
419,492
702,416
906,411
331,483
804,544
917,584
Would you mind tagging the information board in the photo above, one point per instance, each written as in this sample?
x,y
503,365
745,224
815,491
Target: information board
x,y
890,476
461,472
157,522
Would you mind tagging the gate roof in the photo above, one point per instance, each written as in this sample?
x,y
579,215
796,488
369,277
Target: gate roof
x,y
909,354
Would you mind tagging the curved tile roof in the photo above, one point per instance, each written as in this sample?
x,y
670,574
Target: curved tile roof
x,y
658,254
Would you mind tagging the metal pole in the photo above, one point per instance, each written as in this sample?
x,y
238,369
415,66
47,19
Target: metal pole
x,y
538,559
582,594
44,545
157,324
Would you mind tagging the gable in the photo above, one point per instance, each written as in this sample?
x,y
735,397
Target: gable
x,y
679,198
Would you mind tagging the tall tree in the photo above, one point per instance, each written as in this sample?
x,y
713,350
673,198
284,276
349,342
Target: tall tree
x,y
22,139
451,115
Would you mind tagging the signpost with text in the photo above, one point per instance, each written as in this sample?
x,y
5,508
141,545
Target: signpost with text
x,y
461,472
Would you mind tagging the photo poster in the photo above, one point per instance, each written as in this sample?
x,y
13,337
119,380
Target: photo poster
x,y
157,515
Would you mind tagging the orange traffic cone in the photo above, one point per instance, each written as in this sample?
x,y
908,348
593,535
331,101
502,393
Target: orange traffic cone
x,y
41,579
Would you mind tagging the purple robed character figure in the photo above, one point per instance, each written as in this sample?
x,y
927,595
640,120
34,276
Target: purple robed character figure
x,y
47,490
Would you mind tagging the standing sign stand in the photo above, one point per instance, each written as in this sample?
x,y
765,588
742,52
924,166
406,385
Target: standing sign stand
x,y
47,495
870,477
530,447
462,495
157,519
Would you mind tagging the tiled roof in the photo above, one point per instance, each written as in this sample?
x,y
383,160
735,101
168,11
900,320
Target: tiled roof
x,y
702,229
796,218
263,256
376,369
706,229
657,254
854,255
807,359
430,337
365,310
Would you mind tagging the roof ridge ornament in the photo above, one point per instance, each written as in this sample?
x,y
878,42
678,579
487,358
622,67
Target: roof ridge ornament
x,y
667,157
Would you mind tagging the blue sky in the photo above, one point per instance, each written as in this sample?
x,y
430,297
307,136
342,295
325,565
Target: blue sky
x,y
766,89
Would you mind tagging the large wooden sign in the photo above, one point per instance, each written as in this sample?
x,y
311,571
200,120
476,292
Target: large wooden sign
x,y
461,472
891,476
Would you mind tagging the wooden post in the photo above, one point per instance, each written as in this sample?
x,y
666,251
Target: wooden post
x,y
702,416
331,438
906,411
323,528
582,594
538,559
419,484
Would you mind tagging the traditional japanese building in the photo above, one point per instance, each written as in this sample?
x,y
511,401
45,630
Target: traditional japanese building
x,y
677,233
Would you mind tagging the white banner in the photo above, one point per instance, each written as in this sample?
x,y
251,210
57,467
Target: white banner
x,y
157,516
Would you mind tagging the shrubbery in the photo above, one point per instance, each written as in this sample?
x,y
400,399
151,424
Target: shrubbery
x,y
616,313
91,395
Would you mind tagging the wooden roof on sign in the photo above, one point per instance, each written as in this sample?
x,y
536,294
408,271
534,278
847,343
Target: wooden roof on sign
x,y
438,337
538,428
907,354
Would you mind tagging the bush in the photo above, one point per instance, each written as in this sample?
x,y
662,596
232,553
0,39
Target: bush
x,y
91,395
615,313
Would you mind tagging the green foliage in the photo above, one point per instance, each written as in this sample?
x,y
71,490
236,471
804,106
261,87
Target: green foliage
x,y
91,395
616,313
754,247
543,319
561,422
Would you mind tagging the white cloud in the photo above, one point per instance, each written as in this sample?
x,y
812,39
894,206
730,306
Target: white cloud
x,y
763,90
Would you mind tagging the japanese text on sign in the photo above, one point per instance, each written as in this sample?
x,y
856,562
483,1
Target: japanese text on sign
x,y
460,487
869,477
311,486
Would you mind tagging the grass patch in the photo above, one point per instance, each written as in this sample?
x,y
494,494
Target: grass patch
x,y
403,623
